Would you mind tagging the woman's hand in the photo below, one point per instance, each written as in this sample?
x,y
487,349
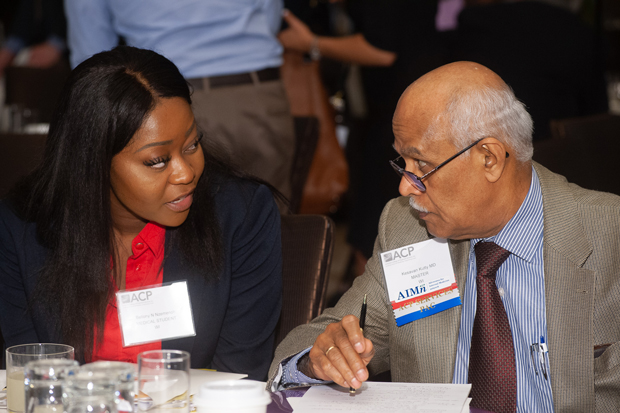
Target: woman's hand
x,y
298,36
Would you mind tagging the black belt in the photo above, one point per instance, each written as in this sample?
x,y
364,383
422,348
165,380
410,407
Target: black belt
x,y
264,75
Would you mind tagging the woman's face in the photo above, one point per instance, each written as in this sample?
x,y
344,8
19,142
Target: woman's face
x,y
153,178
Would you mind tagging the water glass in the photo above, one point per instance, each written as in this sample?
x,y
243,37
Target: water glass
x,y
43,384
16,359
97,403
124,374
163,380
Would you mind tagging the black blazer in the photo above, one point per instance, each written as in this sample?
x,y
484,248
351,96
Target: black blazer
x,y
235,316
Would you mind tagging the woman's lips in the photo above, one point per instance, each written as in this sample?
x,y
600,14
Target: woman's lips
x,y
181,204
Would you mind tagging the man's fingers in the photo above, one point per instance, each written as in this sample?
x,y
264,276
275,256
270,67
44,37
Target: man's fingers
x,y
341,353
355,335
333,366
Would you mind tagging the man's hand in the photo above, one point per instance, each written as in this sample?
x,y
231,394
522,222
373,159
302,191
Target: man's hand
x,y
297,36
341,354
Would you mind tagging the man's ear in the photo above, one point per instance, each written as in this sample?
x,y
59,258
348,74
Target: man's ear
x,y
495,157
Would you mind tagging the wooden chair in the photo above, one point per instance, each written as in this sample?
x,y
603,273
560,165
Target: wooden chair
x,y
36,89
588,160
22,153
586,127
307,246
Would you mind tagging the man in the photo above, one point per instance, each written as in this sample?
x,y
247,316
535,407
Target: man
x,y
559,284
228,51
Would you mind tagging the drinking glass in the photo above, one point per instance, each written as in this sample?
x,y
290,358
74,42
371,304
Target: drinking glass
x,y
163,380
94,403
43,384
16,359
124,374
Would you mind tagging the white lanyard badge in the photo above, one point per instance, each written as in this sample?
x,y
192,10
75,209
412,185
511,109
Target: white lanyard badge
x,y
420,280
155,313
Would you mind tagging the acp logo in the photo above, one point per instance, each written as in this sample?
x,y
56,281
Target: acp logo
x,y
396,254
136,297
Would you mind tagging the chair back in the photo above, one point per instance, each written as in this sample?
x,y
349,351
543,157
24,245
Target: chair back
x,y
36,89
307,246
586,127
590,162
22,153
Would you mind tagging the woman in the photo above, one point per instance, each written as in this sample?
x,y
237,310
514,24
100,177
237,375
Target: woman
x,y
126,197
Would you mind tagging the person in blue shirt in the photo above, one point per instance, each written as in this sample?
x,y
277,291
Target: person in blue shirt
x,y
229,52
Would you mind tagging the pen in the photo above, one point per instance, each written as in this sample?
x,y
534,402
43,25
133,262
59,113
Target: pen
x,y
362,323
542,350
534,349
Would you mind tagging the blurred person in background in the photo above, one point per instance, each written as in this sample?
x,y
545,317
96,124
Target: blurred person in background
x,y
229,53
391,60
39,25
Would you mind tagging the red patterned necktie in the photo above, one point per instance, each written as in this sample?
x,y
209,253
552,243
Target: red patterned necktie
x,y
492,371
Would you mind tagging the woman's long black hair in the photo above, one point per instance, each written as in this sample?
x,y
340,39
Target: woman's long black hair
x,y
103,104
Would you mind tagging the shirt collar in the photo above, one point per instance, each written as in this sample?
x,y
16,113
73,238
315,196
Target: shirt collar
x,y
523,234
152,237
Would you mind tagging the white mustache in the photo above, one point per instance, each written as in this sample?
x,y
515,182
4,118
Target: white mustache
x,y
416,206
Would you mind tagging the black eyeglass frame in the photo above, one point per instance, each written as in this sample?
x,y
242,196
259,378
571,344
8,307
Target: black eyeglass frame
x,y
416,181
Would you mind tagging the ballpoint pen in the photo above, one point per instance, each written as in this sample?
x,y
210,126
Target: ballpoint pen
x,y
534,349
362,323
542,349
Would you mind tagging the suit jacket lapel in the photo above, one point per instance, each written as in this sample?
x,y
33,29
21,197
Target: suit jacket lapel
x,y
175,271
569,292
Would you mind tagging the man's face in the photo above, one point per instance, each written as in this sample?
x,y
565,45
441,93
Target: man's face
x,y
453,205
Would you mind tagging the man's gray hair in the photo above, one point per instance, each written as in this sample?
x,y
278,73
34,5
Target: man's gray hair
x,y
472,114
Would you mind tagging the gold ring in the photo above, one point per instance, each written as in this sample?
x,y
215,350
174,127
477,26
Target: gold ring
x,y
330,349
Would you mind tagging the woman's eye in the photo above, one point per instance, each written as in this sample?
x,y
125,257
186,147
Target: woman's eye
x,y
157,163
194,146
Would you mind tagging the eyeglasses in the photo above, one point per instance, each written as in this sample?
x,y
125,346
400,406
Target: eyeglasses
x,y
413,178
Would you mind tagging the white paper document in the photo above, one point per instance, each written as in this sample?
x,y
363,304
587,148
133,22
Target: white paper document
x,y
376,397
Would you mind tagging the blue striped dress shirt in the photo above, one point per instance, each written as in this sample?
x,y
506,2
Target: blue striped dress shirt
x,y
521,284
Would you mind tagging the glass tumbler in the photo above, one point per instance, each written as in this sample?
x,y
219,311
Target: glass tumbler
x,y
124,374
163,381
16,359
43,384
95,403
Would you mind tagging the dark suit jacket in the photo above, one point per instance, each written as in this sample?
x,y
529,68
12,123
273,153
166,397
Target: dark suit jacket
x,y
235,317
581,250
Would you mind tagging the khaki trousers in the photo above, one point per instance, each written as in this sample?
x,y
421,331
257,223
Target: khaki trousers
x,y
254,123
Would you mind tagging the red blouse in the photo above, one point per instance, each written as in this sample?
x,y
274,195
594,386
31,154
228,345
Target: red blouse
x,y
143,269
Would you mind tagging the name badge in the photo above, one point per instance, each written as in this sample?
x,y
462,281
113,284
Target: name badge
x,y
154,314
420,280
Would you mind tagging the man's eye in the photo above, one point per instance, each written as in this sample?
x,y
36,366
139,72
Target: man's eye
x,y
421,164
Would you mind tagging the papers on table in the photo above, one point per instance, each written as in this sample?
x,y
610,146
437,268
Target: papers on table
x,y
385,397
